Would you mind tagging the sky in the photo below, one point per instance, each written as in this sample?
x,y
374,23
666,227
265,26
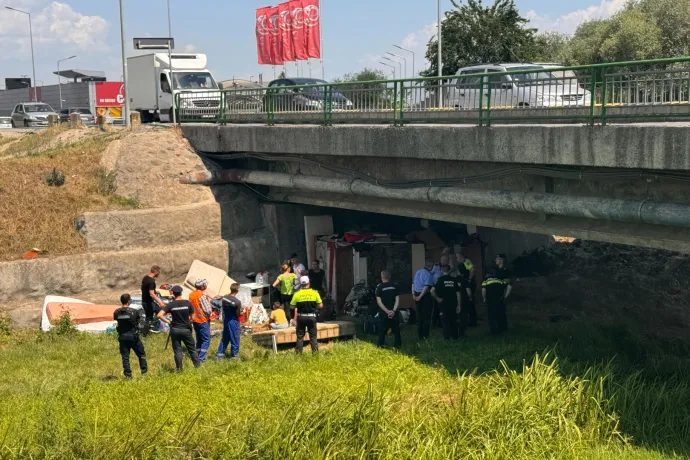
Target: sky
x,y
356,33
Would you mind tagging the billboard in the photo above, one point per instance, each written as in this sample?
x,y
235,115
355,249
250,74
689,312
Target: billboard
x,y
110,94
17,83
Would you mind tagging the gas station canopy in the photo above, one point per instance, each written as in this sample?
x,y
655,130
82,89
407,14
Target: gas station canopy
x,y
82,75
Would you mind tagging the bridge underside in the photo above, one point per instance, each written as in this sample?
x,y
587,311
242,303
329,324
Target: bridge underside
x,y
645,163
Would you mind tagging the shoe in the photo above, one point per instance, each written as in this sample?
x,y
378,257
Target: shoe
x,y
219,357
154,331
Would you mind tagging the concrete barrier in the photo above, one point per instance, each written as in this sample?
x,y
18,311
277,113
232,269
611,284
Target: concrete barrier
x,y
100,271
53,120
135,119
75,120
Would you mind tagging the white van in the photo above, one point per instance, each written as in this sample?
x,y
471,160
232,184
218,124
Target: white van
x,y
539,88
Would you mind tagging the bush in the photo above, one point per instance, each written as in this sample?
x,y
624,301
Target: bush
x,y
107,182
64,326
55,178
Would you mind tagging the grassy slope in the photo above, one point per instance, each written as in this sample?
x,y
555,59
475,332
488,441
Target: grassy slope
x,y
435,401
35,215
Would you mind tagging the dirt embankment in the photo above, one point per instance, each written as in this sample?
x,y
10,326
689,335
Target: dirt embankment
x,y
52,176
149,165
645,291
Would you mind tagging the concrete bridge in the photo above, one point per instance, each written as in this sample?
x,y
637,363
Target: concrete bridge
x,y
626,184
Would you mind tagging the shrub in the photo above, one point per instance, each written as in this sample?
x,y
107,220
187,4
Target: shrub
x,y
107,182
55,178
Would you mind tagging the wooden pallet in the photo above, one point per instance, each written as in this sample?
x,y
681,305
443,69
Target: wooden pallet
x,y
327,330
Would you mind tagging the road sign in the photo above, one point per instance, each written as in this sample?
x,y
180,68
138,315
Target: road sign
x,y
154,43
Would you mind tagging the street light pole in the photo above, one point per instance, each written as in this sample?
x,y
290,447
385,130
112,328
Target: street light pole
x,y
391,66
440,56
172,81
397,62
414,71
58,74
31,38
124,65
404,61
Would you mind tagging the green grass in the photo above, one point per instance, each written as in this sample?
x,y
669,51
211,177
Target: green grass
x,y
483,398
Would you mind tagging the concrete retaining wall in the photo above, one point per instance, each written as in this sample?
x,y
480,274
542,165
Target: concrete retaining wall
x,y
648,146
72,275
109,231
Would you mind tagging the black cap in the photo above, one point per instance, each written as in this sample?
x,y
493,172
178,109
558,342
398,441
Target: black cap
x,y
502,256
177,290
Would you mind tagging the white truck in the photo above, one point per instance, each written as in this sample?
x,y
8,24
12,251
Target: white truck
x,y
152,91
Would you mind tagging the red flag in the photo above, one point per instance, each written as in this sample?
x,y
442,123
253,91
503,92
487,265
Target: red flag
x,y
299,42
312,27
263,42
285,27
274,34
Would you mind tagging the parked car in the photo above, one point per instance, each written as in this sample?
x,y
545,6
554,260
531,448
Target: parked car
x,y
86,116
301,99
539,88
31,114
5,122
246,97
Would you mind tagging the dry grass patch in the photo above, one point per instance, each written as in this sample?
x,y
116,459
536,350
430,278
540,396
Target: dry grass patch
x,y
36,215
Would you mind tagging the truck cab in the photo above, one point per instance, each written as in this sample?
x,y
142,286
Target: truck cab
x,y
155,84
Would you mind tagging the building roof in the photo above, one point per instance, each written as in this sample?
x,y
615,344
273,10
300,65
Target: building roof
x,y
81,74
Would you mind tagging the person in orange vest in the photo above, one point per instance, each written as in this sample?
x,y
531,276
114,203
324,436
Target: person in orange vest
x,y
201,318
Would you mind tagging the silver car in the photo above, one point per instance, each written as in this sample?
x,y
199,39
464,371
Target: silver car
x,y
31,114
5,122
534,86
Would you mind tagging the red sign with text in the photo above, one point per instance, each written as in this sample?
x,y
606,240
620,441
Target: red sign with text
x,y
110,94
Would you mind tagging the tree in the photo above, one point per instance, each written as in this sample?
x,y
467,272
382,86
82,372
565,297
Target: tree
x,y
282,75
365,88
672,17
474,34
550,47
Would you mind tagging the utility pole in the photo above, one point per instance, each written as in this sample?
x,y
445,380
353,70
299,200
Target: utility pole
x,y
414,71
128,122
58,73
172,80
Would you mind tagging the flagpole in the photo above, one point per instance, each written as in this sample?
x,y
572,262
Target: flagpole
x,y
309,64
323,71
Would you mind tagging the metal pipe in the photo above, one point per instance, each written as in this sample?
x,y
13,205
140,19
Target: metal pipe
x,y
649,212
172,77
440,56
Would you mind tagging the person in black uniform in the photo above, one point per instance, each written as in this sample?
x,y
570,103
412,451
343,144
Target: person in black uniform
x,y
128,335
446,291
149,299
180,327
494,292
388,300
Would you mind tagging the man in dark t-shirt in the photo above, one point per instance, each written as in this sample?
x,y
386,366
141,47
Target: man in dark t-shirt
x,y
180,327
232,308
317,277
447,293
128,335
149,300
388,300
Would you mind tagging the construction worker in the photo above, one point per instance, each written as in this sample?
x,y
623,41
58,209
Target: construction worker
x,y
388,300
150,300
306,302
201,318
494,294
466,266
446,291
128,335
421,291
232,308
180,327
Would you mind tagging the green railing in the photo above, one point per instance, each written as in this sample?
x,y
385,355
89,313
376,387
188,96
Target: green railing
x,y
593,94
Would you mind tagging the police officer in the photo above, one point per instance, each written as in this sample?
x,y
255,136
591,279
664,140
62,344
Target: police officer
x,y
388,300
180,327
128,335
466,268
446,291
494,291
306,302
421,290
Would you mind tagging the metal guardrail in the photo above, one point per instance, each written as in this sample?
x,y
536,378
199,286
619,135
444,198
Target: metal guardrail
x,y
593,94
